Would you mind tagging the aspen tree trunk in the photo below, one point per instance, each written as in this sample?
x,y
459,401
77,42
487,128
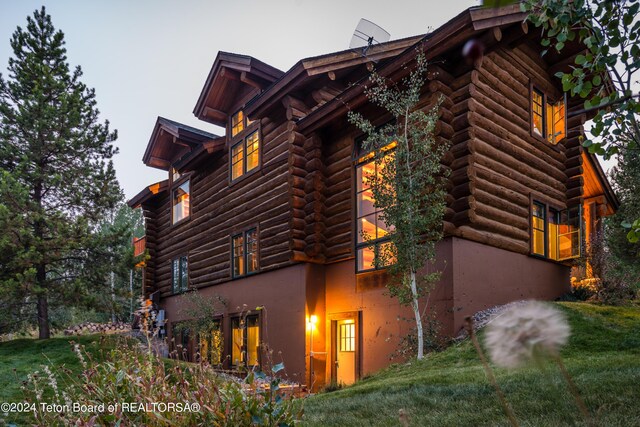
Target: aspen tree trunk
x,y
416,312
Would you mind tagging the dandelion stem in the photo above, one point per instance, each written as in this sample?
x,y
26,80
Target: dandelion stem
x,y
468,324
574,390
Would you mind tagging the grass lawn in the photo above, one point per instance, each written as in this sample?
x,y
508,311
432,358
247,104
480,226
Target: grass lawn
x,y
450,388
22,356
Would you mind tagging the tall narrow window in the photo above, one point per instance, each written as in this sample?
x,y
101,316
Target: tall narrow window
x,y
181,206
548,118
238,255
180,275
253,151
371,238
538,220
245,335
237,160
537,112
244,250
237,123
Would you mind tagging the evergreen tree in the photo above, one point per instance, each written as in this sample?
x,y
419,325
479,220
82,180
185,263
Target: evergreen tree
x,y
57,177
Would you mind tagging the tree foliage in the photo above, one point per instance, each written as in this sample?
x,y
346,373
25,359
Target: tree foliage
x,y
408,187
605,75
58,180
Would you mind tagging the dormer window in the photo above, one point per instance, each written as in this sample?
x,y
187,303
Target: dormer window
x,y
548,118
245,155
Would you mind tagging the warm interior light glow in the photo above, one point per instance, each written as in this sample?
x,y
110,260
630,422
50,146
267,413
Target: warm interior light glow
x,y
312,321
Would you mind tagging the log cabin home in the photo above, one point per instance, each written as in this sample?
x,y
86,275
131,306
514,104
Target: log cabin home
x,y
269,216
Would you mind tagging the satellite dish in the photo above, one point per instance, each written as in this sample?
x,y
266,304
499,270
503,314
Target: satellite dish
x,y
366,35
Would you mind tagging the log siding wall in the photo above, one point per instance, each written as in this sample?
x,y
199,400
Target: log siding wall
x,y
218,210
302,198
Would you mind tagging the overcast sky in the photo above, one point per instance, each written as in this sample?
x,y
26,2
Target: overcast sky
x,y
149,58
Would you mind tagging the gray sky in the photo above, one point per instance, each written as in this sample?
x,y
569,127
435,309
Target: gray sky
x,y
147,58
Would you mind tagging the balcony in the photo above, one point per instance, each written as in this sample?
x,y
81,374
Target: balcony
x,y
139,246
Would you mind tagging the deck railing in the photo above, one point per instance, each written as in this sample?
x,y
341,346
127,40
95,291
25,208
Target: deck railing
x,y
139,245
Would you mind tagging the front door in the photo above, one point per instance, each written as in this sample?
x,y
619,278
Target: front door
x,y
345,351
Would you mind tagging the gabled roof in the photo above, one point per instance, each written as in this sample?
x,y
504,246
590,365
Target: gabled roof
x,y
148,193
231,73
170,141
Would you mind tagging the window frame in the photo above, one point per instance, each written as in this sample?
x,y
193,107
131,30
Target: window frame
x,y
250,128
229,342
546,100
181,287
550,207
360,158
244,233
175,185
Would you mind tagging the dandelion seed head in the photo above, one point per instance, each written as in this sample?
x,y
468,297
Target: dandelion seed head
x,y
525,331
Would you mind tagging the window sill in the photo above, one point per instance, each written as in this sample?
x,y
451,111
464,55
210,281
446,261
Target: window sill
x,y
233,182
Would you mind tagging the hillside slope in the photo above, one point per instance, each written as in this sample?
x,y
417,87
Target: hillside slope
x,y
450,388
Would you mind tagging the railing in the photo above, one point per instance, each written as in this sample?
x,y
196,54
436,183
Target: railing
x,y
139,245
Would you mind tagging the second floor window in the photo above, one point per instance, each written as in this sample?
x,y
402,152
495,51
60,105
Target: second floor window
x,y
180,202
180,275
245,155
555,234
371,230
244,253
548,118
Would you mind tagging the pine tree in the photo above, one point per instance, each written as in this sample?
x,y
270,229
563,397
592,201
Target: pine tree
x,y
57,177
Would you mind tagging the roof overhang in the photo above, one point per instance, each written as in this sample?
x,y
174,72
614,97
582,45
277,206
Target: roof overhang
x,y
231,73
148,193
334,62
596,184
171,141
471,23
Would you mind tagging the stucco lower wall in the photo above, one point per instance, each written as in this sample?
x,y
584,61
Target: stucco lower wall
x,y
484,276
282,294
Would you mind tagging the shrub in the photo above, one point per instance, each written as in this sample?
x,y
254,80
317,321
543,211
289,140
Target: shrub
x,y
133,374
129,375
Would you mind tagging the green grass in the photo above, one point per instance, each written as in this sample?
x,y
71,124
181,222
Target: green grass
x,y
23,356
450,388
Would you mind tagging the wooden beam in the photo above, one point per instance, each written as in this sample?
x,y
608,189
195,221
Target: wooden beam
x,y
229,74
295,108
215,115
245,78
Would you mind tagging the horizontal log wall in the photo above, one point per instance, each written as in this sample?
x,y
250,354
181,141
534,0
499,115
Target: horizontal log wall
x,y
503,163
219,209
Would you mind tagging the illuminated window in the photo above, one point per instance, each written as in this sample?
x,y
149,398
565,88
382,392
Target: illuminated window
x,y
245,337
371,240
237,123
245,155
211,344
548,119
538,220
556,234
181,202
244,251
180,275
347,337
